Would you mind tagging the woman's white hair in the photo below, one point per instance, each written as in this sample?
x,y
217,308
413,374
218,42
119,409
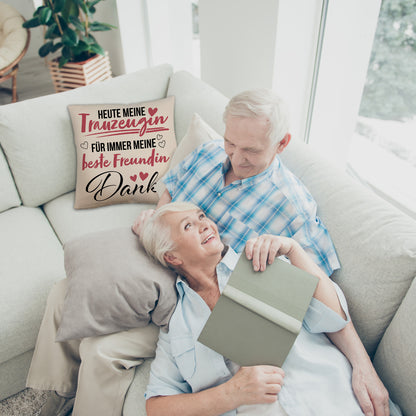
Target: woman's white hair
x,y
156,235
261,103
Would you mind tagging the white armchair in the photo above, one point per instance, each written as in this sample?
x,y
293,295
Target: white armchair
x,y
14,42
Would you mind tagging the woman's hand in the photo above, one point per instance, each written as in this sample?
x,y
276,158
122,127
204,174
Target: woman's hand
x,y
255,385
264,249
141,219
370,391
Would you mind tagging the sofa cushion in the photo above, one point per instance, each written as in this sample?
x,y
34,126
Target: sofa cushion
x,y
374,241
31,260
9,196
134,404
122,151
46,131
394,359
113,286
195,96
69,223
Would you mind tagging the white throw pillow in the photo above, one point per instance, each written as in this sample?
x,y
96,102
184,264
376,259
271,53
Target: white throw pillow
x,y
198,133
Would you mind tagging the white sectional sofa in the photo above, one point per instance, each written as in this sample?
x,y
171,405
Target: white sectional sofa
x,y
376,243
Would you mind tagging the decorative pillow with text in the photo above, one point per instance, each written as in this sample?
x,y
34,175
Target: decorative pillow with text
x,y
122,151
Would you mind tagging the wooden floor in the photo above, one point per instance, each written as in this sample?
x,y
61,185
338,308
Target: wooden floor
x,y
33,80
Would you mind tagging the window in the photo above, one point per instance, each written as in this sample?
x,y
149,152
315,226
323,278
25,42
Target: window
x,y
383,147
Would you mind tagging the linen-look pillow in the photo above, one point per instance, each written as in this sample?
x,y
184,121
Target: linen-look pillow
x,y
122,151
113,285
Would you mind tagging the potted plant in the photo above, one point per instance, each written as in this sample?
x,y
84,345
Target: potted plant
x,y
68,30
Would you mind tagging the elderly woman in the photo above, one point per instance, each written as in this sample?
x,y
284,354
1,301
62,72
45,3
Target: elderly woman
x,y
188,378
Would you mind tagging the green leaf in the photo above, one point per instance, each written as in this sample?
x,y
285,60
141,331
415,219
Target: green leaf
x,y
77,23
57,46
91,6
100,27
92,3
34,22
63,23
70,37
58,5
62,61
52,32
45,49
70,9
82,47
44,15
89,40
82,5
79,50
66,52
96,48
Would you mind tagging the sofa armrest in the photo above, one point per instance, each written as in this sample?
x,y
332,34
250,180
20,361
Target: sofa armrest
x,y
394,358
375,242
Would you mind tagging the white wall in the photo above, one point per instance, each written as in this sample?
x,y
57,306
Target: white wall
x,y
170,33
111,40
132,45
238,42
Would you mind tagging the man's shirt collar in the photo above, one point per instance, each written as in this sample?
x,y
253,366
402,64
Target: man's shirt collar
x,y
252,180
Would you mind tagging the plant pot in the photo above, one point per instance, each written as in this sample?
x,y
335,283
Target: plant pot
x,y
78,74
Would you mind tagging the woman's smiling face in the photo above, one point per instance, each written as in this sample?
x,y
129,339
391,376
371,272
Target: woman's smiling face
x,y
195,236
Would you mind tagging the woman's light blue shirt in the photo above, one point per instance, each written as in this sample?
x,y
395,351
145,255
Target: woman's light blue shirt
x,y
317,375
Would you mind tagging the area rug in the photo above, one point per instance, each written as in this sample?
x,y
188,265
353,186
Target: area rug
x,y
26,403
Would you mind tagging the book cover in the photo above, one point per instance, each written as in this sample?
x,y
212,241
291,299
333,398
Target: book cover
x,y
259,314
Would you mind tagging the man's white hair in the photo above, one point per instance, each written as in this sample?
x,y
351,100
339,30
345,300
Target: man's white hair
x,y
261,103
156,235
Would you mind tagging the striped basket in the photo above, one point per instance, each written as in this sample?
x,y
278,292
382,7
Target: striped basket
x,y
78,74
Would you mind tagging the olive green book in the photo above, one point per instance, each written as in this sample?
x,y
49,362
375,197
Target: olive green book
x,y
259,314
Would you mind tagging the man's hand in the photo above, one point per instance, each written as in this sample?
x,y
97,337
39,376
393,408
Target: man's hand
x,y
255,385
264,249
371,394
141,219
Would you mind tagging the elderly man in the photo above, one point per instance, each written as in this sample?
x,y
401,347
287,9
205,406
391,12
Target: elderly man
x,y
241,185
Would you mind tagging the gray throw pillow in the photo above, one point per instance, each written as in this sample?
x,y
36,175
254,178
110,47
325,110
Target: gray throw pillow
x,y
113,286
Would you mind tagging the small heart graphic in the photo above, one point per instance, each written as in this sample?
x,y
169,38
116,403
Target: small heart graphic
x,y
152,111
143,175
133,178
159,136
162,143
84,145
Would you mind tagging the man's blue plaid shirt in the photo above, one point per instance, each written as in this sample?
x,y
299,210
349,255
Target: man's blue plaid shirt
x,y
273,202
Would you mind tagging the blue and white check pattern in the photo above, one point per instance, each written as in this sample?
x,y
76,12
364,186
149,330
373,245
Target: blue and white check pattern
x,y
273,202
